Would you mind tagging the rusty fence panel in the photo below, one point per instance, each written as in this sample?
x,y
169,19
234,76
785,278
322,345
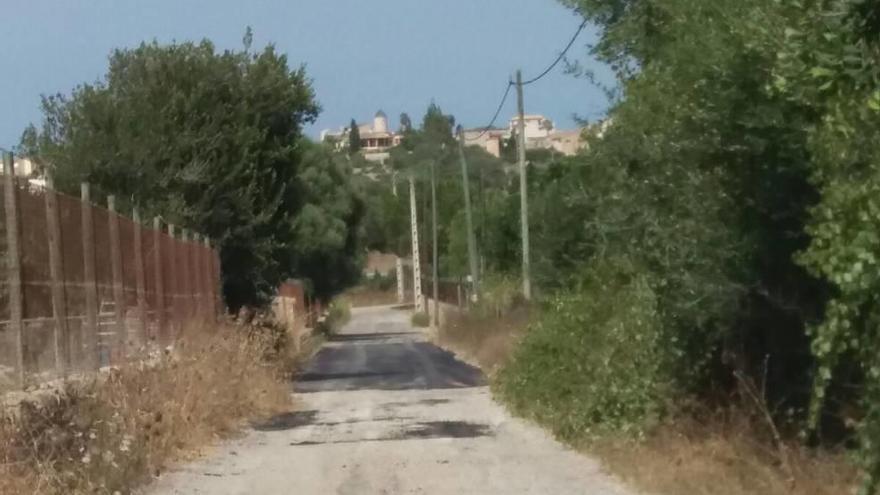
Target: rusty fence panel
x,y
83,286
80,354
11,303
38,327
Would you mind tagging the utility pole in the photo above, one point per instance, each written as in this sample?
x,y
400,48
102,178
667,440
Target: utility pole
x,y
434,250
417,269
523,188
471,242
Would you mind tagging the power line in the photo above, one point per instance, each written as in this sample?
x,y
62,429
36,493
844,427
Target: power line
x,y
530,81
497,113
561,56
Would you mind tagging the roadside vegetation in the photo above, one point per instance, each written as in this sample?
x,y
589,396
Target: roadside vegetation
x,y
705,271
711,255
210,141
338,314
114,433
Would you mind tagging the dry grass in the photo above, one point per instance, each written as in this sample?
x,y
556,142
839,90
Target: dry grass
x,y
487,341
109,435
722,457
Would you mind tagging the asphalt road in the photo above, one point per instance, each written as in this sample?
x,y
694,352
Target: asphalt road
x,y
382,411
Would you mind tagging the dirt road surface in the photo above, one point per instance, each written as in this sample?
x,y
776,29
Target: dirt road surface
x,y
382,411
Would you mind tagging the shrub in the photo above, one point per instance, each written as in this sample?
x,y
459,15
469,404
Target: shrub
x,y
592,361
338,314
499,293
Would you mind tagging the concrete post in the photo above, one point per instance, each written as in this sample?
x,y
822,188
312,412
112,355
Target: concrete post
x,y
401,292
13,265
56,273
93,353
418,298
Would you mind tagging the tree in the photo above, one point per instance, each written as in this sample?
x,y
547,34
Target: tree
x,y
405,123
354,137
437,127
828,62
700,188
209,141
329,252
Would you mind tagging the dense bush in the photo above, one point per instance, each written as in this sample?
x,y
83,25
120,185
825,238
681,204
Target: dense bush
x,y
736,176
594,360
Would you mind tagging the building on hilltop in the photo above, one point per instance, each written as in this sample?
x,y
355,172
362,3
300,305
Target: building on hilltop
x,y
26,169
567,143
377,138
537,129
540,133
490,140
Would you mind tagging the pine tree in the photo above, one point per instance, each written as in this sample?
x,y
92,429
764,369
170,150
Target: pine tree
x,y
354,138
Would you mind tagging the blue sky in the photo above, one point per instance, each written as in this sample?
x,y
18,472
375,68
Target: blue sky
x,y
394,55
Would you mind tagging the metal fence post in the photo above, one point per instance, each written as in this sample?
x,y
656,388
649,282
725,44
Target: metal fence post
x,y
206,280
194,271
118,290
198,279
61,335
173,286
186,298
160,288
401,295
13,268
140,276
217,282
89,278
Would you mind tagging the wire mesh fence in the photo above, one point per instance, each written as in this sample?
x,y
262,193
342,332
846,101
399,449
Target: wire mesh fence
x,y
82,287
450,290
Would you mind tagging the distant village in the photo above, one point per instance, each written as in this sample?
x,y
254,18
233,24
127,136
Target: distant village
x,y
377,137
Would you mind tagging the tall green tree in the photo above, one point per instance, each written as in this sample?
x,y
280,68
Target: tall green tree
x,y
208,140
701,189
329,252
405,123
354,137
828,60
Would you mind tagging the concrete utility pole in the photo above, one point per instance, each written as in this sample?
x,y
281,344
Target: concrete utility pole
x,y
400,287
417,269
523,188
471,242
436,271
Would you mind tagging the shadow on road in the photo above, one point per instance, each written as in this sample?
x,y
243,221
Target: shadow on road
x,y
368,337
373,361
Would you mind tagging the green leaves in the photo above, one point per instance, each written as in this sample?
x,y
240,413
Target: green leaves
x,y
205,139
327,247
595,360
